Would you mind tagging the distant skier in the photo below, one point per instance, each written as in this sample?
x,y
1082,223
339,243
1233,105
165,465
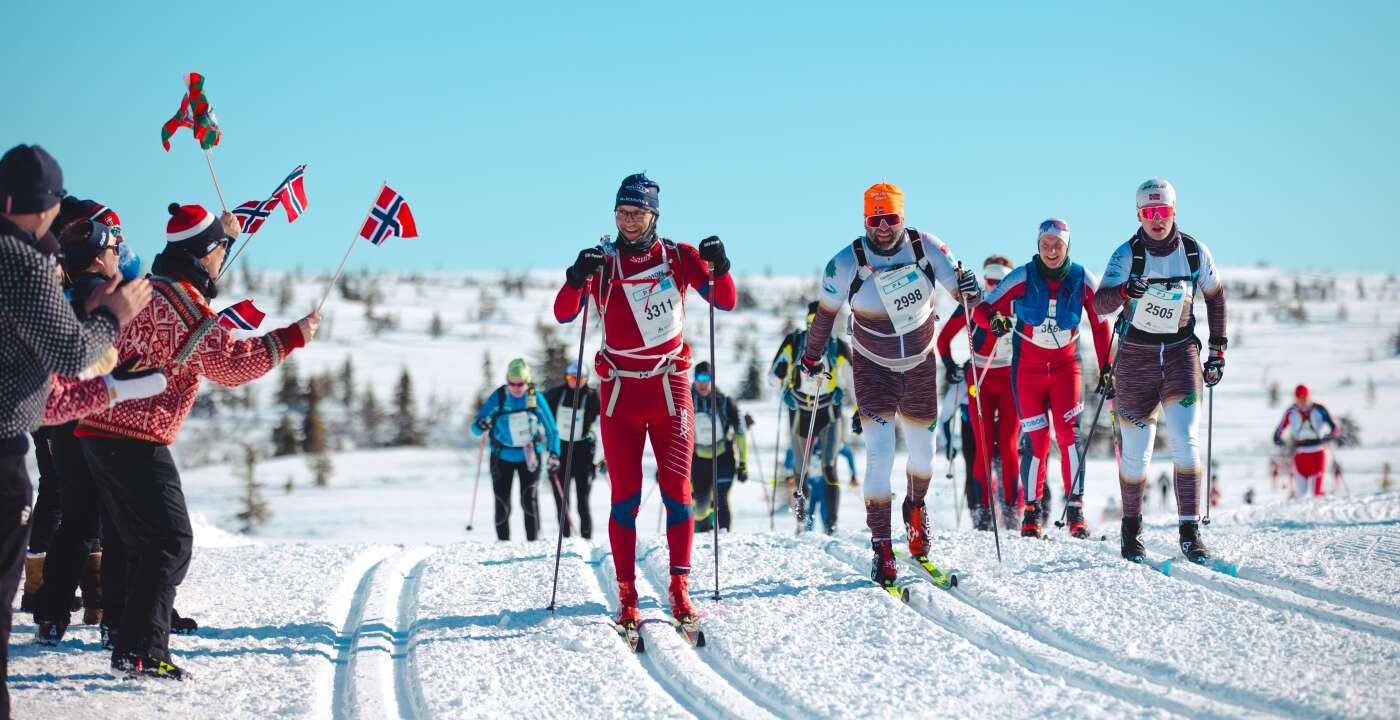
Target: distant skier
x,y
1160,269
999,432
729,451
888,276
1308,427
575,428
819,505
645,389
824,395
523,435
1047,297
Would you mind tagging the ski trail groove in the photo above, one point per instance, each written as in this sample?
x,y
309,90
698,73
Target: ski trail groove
x,y
1326,595
988,630
407,691
341,703
670,660
1272,597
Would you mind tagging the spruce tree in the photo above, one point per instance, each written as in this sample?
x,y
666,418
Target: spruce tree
x,y
289,391
435,327
405,416
313,427
347,382
371,417
254,507
284,439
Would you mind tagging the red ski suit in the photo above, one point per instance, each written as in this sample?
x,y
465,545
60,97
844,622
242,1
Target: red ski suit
x,y
1046,379
632,291
998,401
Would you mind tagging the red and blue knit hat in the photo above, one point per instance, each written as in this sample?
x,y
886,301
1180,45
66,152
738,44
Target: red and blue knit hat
x,y
194,229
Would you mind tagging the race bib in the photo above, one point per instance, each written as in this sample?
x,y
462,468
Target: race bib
x,y
704,432
811,385
907,296
570,430
521,427
1001,352
656,306
1306,431
1048,334
1161,309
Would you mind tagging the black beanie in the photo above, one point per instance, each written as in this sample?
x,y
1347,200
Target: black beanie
x,y
30,181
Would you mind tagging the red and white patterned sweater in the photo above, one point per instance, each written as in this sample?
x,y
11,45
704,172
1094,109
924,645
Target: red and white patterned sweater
x,y
75,398
178,333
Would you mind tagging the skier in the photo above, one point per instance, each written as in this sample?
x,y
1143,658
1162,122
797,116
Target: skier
x,y
645,389
1160,269
729,451
804,395
1048,296
128,447
997,434
819,505
1308,427
522,433
575,428
888,276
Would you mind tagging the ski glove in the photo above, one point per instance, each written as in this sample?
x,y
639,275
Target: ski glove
x,y
1215,365
125,383
1000,325
748,420
712,251
553,463
1106,385
855,424
589,261
811,367
483,425
1134,288
952,374
780,371
742,473
967,285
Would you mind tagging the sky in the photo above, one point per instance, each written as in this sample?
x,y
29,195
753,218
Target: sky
x,y
508,126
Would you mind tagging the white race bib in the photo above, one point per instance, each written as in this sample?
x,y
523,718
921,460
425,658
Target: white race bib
x,y
704,433
655,306
1161,309
907,296
570,430
1048,334
521,426
1001,351
811,385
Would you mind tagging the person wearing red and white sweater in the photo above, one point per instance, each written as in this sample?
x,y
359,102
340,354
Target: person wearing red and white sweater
x,y
127,445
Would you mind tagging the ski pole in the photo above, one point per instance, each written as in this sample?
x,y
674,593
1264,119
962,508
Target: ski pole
x,y
1210,428
476,488
569,454
714,431
979,429
799,496
1103,391
762,483
777,452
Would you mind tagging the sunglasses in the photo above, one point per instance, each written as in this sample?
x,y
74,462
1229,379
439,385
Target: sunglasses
x,y
1161,212
702,377
890,219
514,384
1053,225
571,378
102,237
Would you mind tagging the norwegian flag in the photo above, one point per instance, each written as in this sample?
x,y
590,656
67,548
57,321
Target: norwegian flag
x,y
292,193
389,216
103,214
252,214
241,316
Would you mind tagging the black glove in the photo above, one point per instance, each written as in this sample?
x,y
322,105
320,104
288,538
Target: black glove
x,y
1215,364
742,473
780,371
1000,325
589,261
812,368
1105,387
951,372
967,285
855,424
483,425
748,421
124,371
1279,441
1134,288
712,251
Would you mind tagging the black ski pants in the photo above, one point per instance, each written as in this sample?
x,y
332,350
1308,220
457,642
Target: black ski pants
x,y
581,479
14,536
502,474
140,488
77,532
703,495
48,504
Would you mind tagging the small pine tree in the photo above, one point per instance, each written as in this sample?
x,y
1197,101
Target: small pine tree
x,y
435,328
313,426
487,383
405,416
321,469
347,382
286,295
371,417
255,511
553,356
289,392
1348,432
284,439
752,388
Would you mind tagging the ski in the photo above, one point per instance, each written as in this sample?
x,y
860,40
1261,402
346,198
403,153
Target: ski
x,y
928,571
898,590
1216,564
632,636
689,628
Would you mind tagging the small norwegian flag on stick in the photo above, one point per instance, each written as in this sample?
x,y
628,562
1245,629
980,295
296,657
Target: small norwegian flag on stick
x,y
290,194
389,215
241,316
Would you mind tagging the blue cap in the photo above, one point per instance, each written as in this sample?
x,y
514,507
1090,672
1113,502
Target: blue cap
x,y
639,191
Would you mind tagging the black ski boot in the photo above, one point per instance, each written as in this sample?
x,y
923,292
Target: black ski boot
x,y
50,631
108,635
1191,545
1074,519
1031,524
1132,539
182,625
883,569
982,519
142,666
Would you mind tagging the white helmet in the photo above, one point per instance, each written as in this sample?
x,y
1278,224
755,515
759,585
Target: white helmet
x,y
1156,192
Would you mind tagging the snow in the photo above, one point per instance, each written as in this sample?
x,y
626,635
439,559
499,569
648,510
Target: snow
x,y
369,598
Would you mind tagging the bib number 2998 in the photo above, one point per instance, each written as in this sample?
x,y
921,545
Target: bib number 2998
x,y
909,299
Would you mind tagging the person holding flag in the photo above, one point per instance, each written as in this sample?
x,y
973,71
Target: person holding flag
x,y
729,451
1308,427
522,433
638,283
575,426
888,276
127,447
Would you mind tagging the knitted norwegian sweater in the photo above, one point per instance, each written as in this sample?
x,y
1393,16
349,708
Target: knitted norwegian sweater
x,y
74,398
178,333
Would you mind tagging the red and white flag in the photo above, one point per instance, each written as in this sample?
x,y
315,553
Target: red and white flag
x,y
241,316
389,216
252,214
292,193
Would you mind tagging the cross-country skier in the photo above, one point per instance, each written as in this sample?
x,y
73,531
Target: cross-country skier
x,y
1160,270
575,428
824,395
638,283
999,432
1047,296
523,437
729,451
1308,427
888,276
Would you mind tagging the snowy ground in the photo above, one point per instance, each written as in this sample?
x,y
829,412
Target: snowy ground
x,y
369,598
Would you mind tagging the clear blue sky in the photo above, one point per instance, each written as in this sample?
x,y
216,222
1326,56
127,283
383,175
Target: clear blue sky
x,y
509,125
